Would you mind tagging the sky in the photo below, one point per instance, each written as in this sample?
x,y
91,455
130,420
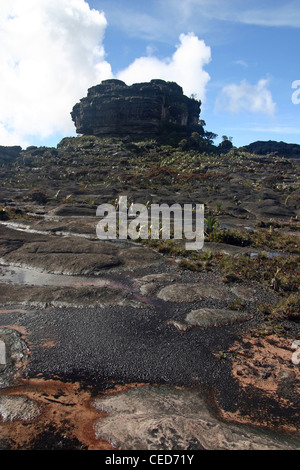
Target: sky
x,y
239,57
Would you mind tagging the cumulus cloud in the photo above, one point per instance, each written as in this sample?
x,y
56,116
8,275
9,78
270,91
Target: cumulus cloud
x,y
186,67
246,98
51,51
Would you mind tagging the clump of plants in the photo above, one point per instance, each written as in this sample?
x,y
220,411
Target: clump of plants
x,y
289,307
238,304
12,213
231,237
169,247
263,269
276,317
38,195
273,239
197,262
3,214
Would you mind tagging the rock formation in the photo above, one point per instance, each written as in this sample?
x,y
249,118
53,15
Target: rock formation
x,y
9,154
271,146
113,108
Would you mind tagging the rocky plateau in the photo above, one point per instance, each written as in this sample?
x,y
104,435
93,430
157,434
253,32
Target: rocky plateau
x,y
130,345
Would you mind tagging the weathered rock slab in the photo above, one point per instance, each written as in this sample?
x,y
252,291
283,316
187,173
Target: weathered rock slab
x,y
166,418
207,317
192,292
71,255
18,408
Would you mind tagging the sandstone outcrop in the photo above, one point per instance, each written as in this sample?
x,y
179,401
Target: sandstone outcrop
x,y
115,109
9,154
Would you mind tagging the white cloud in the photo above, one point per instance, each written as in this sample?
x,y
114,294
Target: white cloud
x,y
242,63
246,98
255,12
185,67
274,130
285,15
51,51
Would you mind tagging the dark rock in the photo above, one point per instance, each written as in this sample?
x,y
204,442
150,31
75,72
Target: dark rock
x,y
76,210
275,148
9,154
4,215
113,108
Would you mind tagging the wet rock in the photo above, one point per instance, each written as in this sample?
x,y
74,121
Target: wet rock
x,y
42,296
18,408
166,418
72,255
65,256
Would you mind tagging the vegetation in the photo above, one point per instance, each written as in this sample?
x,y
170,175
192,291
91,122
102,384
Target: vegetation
x,y
89,170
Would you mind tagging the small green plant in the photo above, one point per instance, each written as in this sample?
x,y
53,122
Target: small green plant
x,y
222,355
219,207
211,223
238,304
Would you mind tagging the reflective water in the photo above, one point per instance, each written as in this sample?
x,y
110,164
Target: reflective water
x,y
29,276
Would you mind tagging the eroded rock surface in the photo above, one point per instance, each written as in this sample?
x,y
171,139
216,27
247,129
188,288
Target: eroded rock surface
x,y
70,256
166,418
13,408
192,292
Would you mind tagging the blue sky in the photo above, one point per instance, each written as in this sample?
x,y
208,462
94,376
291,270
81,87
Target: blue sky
x,y
239,57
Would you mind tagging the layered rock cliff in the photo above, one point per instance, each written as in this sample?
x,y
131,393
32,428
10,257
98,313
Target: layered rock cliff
x,y
113,108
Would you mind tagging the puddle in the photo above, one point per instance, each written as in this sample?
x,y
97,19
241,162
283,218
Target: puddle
x,y
237,227
22,276
269,254
27,229
29,276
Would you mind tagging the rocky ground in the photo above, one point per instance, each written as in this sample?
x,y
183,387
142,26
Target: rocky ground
x,y
123,345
